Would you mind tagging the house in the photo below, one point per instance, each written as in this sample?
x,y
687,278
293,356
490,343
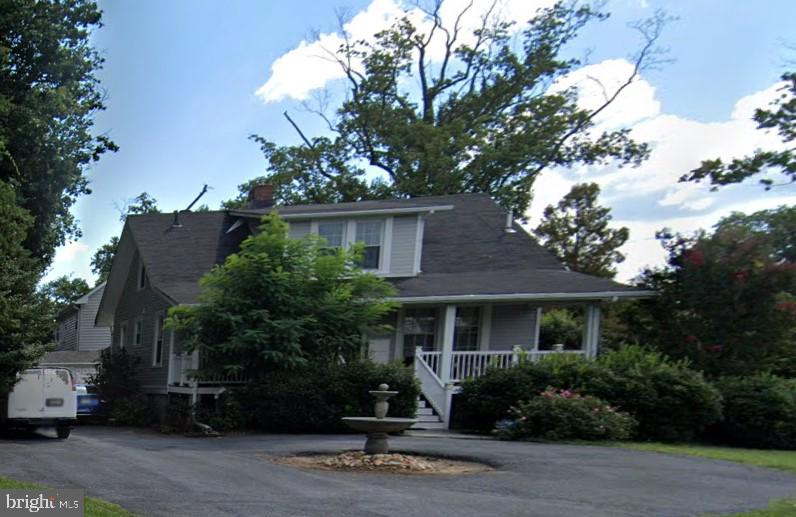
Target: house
x,y
77,339
472,285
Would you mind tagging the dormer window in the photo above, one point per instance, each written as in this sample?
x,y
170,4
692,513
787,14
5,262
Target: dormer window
x,y
334,233
370,233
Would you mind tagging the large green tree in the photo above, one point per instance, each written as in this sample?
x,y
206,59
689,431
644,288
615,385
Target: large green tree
x,y
576,231
48,96
24,327
318,306
480,117
780,116
726,300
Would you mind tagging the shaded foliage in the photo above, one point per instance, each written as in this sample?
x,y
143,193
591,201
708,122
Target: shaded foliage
x,y
24,326
48,96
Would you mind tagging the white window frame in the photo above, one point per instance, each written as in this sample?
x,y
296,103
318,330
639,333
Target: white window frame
x,y
138,332
350,233
382,222
157,335
122,335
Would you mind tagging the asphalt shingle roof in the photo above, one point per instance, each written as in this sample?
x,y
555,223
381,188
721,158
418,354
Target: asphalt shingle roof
x,y
177,257
466,250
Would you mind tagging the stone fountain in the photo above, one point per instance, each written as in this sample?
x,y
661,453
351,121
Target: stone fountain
x,y
379,425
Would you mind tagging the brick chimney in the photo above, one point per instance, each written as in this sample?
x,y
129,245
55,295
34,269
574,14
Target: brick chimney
x,y
261,196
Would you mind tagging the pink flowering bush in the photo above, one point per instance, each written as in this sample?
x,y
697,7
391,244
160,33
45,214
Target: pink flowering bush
x,y
557,414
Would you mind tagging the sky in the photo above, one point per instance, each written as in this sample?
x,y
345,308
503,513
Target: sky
x,y
188,81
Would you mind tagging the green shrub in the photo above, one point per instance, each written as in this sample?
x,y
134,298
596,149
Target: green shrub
x,y
567,415
759,411
227,413
671,401
117,383
315,397
131,411
668,399
485,400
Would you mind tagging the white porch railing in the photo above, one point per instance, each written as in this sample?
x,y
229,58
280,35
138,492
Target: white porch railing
x,y
182,369
467,364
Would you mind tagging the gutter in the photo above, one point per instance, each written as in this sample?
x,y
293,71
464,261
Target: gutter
x,y
347,213
600,295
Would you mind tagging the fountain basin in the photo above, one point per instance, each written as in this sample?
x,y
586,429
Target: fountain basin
x,y
377,429
371,424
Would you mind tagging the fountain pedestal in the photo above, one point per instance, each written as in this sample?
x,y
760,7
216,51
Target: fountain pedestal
x,y
377,427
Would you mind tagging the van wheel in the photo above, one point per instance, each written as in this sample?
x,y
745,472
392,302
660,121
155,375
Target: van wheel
x,y
63,432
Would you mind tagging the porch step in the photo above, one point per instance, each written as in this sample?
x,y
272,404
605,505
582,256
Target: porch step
x,y
427,418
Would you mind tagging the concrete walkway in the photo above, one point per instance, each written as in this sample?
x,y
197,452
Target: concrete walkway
x,y
157,475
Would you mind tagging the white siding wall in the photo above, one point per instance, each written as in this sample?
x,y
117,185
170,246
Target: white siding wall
x,y
512,325
91,337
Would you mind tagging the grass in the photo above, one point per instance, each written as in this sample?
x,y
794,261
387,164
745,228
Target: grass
x,y
767,458
94,507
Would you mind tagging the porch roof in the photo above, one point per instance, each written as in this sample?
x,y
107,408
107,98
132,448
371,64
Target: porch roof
x,y
508,285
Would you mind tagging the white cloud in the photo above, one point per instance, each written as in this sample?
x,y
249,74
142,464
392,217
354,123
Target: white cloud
x,y
70,259
596,83
642,249
309,67
678,145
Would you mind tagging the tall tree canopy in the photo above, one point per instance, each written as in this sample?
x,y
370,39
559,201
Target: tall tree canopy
x,y
318,307
482,117
781,116
576,231
727,299
24,327
48,95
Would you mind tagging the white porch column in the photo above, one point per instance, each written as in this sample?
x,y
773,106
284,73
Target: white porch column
x,y
448,326
591,330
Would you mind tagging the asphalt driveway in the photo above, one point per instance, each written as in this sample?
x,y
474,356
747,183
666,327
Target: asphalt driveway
x,y
153,475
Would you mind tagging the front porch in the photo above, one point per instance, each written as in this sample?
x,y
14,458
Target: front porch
x,y
453,342
183,376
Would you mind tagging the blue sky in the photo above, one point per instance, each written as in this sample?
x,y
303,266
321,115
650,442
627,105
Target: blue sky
x,y
181,80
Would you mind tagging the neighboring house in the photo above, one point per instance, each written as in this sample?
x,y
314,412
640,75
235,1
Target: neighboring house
x,y
82,364
77,339
471,282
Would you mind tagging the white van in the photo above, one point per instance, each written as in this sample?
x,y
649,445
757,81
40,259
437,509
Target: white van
x,y
43,397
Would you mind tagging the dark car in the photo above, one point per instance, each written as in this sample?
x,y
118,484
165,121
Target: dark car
x,y
89,402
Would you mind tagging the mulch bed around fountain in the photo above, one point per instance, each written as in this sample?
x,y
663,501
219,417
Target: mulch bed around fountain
x,y
393,463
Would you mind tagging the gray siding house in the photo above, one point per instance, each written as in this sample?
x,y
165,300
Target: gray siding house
x,y
472,286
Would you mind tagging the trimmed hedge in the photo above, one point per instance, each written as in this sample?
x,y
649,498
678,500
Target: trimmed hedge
x,y
669,400
759,411
314,398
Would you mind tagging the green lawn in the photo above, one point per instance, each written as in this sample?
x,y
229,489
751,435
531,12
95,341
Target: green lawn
x,y
774,459
94,507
